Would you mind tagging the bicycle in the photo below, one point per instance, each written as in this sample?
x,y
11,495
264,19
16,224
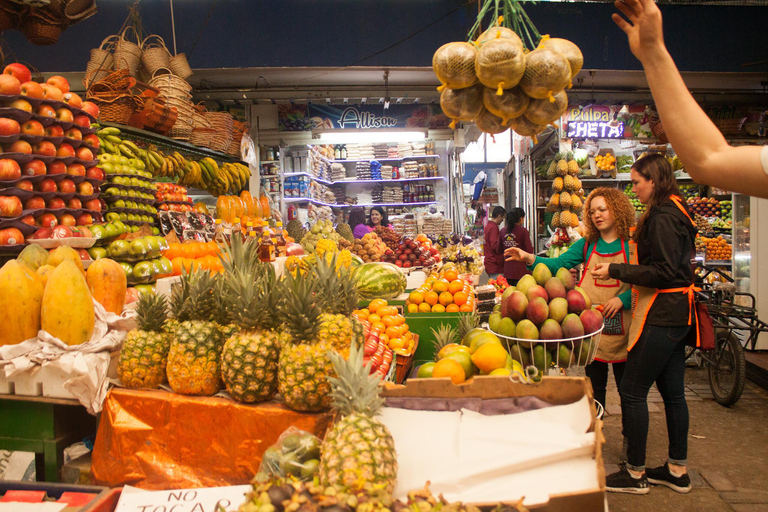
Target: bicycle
x,y
725,363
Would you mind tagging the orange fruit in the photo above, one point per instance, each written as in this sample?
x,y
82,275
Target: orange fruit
x,y
399,319
455,286
431,298
440,286
376,304
362,314
384,338
387,311
379,326
374,318
449,368
396,343
177,264
413,308
389,321
424,307
416,297
446,298
460,298
466,308
451,275
438,308
392,332
452,308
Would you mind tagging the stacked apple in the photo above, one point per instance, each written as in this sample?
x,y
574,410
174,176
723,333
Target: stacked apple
x,y
140,258
172,197
411,253
129,191
48,172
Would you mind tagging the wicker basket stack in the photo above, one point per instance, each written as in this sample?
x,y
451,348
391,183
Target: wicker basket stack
x,y
177,94
202,131
238,129
221,122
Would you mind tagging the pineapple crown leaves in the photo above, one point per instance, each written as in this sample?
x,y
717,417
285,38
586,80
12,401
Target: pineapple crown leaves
x,y
152,312
299,310
467,322
443,336
336,287
251,300
196,297
240,254
354,390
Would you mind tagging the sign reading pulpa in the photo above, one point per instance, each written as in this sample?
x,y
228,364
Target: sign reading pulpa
x,y
595,122
211,499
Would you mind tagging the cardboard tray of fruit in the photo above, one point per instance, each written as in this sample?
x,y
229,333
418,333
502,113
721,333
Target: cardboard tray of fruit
x,y
74,242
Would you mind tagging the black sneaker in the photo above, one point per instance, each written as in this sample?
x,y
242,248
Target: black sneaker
x,y
662,476
623,481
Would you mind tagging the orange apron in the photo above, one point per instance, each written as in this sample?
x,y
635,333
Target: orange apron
x,y
613,340
643,297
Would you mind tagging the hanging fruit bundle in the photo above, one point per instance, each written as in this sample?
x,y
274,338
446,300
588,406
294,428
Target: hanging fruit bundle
x,y
498,82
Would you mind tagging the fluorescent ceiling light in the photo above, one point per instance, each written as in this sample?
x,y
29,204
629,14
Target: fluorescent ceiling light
x,y
353,136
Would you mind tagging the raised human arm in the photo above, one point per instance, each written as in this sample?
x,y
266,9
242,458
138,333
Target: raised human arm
x,y
706,155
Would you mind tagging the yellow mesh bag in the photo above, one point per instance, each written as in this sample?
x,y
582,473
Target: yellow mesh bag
x,y
500,64
462,104
512,103
497,33
490,123
524,127
545,111
454,65
565,48
546,72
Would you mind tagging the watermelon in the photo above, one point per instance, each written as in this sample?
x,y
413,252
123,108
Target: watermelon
x,y
379,281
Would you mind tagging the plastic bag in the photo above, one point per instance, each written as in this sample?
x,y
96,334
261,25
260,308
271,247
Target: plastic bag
x,y
296,453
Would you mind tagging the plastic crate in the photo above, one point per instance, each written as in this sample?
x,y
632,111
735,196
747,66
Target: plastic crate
x,y
404,363
422,324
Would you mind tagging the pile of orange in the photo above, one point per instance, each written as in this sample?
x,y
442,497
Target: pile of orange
x,y
197,255
718,249
605,162
442,293
390,324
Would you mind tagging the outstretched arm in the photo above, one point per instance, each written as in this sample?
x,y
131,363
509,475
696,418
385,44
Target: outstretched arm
x,y
706,155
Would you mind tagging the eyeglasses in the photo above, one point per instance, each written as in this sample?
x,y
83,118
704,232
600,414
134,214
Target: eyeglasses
x,y
602,209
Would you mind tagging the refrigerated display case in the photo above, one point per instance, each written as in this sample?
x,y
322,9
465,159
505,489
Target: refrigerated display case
x,y
742,257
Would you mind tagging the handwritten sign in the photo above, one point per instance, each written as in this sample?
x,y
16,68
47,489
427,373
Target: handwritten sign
x,y
207,499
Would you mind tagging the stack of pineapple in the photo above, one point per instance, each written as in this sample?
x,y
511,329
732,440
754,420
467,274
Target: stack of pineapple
x,y
567,195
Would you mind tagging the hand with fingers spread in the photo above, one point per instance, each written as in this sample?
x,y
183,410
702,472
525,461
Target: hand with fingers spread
x,y
517,254
643,30
612,307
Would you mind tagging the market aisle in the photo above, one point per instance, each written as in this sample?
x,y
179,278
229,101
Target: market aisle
x,y
727,450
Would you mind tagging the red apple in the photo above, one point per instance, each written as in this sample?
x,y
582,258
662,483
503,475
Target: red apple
x,y
67,186
95,173
44,148
92,140
9,85
21,105
76,169
85,231
74,133
83,254
45,110
74,204
55,131
83,153
56,203
25,184
28,219
47,185
83,121
41,233
11,126
85,188
52,93
73,100
93,205
20,71
20,146
32,89
64,115
9,169
47,220
34,203
91,108
65,150
65,220
34,167
63,230
10,206
59,82
11,236
57,167
84,219
32,127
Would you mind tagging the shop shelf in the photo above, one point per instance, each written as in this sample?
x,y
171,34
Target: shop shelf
x,y
382,159
314,201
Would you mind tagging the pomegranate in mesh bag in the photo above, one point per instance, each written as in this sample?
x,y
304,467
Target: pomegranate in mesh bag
x,y
497,33
565,48
546,73
512,103
500,64
490,123
454,65
522,126
462,104
545,111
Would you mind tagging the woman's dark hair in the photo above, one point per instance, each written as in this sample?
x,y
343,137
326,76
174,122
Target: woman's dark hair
x,y
655,167
513,217
356,216
498,211
384,218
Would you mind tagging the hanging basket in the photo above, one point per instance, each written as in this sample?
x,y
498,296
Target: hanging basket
x,y
127,53
41,28
117,110
154,53
10,15
171,86
79,10
179,66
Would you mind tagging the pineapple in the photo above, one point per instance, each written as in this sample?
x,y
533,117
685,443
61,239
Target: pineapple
x,y
562,167
467,322
554,200
144,354
443,336
573,168
565,199
359,450
345,231
193,359
565,218
574,221
558,184
576,203
304,365
337,297
552,170
555,222
569,183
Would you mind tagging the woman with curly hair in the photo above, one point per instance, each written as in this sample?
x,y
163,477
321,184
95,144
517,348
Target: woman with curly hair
x,y
608,217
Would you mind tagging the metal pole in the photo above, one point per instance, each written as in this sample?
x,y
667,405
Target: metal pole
x,y
173,28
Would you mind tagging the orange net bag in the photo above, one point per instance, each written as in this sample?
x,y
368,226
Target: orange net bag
x,y
462,104
497,33
490,123
545,111
500,64
522,126
454,65
512,103
565,48
546,72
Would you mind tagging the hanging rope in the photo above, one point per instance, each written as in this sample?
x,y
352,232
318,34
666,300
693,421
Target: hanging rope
x,y
173,28
509,14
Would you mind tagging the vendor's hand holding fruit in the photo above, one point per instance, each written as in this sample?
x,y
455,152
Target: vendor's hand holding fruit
x,y
517,254
612,307
600,271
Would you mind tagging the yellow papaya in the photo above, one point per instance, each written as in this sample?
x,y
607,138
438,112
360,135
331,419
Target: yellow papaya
x,y
44,272
107,282
21,296
67,312
65,252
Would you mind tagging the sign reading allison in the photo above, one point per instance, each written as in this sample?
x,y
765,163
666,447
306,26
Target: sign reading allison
x,y
362,116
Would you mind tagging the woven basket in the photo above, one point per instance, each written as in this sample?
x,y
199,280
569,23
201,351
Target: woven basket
x,y
127,53
41,27
118,110
172,86
78,10
10,15
179,66
238,129
180,131
202,136
154,53
222,123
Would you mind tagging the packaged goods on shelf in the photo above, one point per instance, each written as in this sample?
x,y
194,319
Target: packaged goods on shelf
x,y
419,149
380,150
363,170
436,224
353,152
392,152
405,149
296,186
338,172
320,192
405,225
430,148
410,169
375,170
386,172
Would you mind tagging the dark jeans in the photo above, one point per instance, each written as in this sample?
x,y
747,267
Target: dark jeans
x,y
658,356
597,371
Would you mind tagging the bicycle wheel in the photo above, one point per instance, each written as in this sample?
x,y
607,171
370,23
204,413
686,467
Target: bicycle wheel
x,y
727,370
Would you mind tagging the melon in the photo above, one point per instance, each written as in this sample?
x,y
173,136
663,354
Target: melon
x,y
379,281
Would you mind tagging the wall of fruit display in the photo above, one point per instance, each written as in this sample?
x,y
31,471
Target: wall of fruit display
x,y
444,292
567,196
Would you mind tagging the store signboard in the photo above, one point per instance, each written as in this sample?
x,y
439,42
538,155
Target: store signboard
x,y
606,122
359,117
595,130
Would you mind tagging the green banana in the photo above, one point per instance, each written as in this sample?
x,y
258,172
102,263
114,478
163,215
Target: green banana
x,y
114,139
109,130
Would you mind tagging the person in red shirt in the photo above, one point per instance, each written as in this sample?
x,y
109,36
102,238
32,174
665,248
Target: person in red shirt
x,y
515,235
494,255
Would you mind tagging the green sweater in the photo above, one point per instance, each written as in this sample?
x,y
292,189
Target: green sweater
x,y
575,256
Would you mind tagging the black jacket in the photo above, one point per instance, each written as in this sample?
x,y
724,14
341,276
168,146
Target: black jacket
x,y
664,255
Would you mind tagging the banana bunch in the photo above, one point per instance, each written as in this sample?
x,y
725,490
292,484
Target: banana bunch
x,y
173,166
191,175
153,159
113,144
230,179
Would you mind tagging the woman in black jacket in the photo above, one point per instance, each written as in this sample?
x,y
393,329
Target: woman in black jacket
x,y
662,284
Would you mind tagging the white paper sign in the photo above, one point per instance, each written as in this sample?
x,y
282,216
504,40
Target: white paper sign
x,y
184,500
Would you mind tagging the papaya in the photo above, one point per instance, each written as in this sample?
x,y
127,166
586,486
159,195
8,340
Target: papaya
x,y
44,272
21,296
33,256
67,311
65,252
107,282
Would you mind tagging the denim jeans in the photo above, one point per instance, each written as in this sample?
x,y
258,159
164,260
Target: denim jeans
x,y
597,371
658,356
